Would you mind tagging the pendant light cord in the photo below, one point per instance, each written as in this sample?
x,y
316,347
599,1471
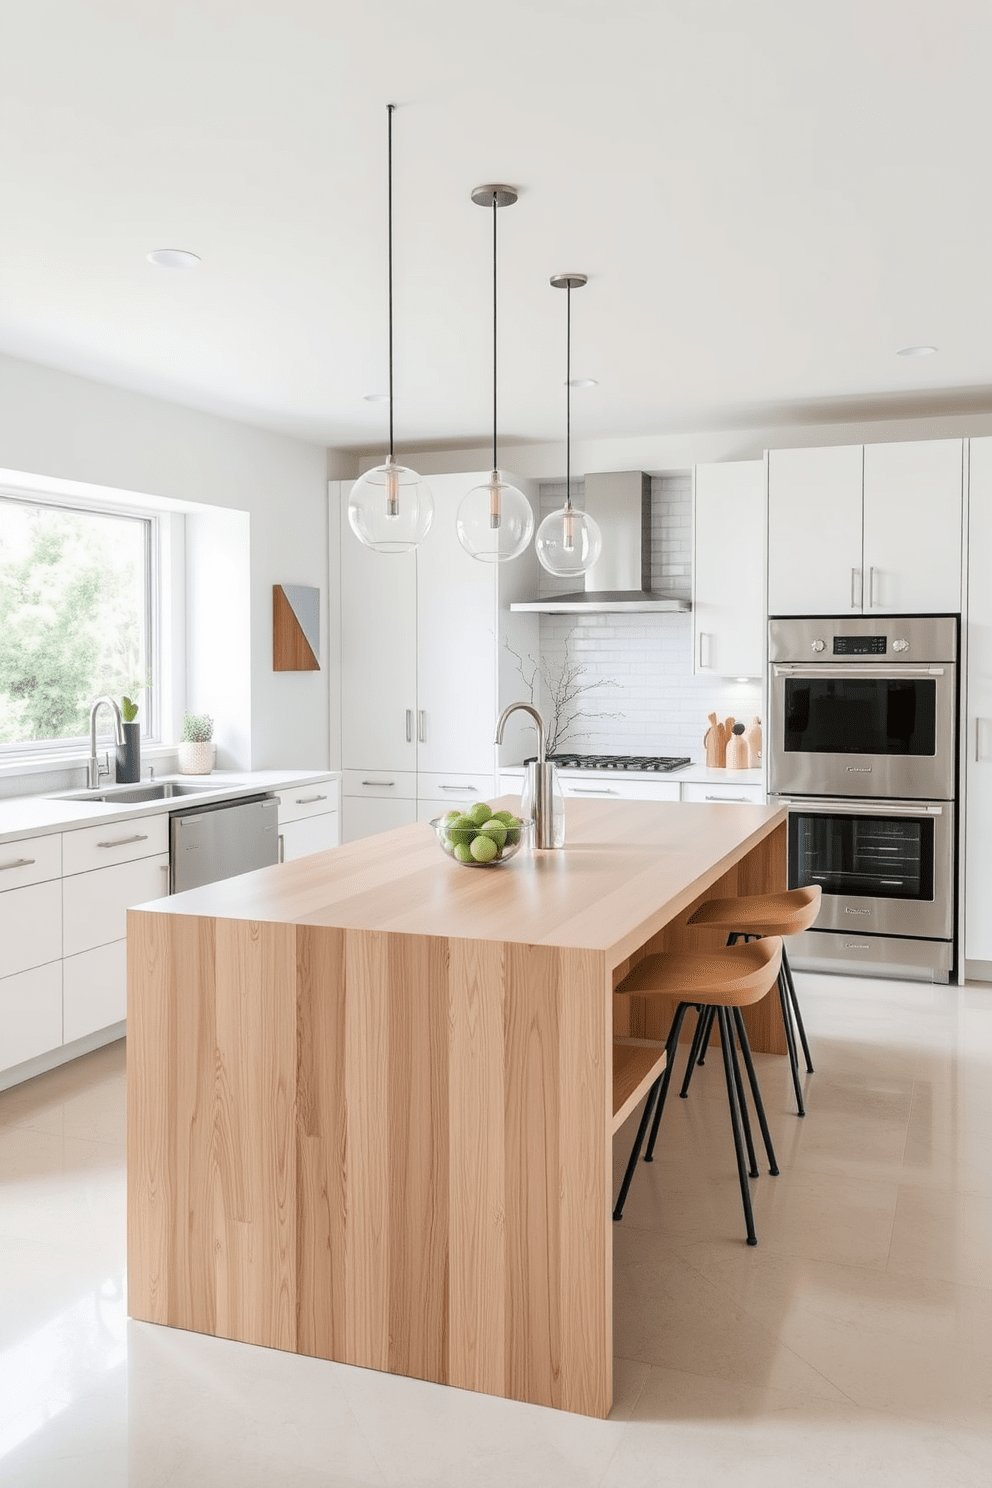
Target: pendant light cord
x,y
495,458
389,156
568,397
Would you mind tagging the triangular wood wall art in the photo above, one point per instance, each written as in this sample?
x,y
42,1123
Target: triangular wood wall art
x,y
295,628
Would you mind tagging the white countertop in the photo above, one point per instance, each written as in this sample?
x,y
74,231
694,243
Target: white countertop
x,y
33,816
693,774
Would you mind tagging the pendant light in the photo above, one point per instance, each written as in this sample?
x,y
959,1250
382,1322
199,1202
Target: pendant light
x,y
390,507
495,521
568,541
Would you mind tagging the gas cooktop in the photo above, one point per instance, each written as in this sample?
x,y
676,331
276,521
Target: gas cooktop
x,y
616,761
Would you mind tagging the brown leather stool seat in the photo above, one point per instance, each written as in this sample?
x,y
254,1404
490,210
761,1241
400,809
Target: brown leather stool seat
x,y
782,914
720,982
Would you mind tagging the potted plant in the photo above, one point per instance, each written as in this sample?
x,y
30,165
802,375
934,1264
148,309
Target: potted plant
x,y
127,770
196,752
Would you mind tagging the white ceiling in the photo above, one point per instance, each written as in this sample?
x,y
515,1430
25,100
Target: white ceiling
x,y
769,196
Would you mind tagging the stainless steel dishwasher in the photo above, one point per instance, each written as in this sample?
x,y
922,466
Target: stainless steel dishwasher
x,y
218,841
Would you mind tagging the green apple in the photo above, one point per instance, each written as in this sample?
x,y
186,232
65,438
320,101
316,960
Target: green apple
x,y
480,813
494,829
463,852
483,848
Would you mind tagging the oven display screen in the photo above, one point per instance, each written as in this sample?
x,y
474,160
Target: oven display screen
x,y
860,645
875,856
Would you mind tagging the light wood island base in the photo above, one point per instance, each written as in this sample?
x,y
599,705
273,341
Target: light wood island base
x,y
370,1093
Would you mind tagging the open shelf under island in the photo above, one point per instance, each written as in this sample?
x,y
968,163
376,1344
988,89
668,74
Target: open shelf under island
x,y
370,1093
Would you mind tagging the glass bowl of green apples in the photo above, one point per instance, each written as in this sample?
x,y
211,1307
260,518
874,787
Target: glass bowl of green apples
x,y
480,837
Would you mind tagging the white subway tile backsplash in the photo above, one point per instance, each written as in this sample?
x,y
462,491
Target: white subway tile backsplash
x,y
640,665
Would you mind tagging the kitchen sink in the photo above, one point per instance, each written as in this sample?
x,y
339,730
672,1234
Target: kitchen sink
x,y
126,795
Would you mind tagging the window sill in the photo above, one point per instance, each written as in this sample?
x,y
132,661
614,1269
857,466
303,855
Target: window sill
x,y
58,764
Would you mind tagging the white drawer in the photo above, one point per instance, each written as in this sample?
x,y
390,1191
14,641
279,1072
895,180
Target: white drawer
x,y
457,790
313,834
622,790
30,860
30,1013
396,785
94,990
299,801
95,905
30,927
751,795
115,842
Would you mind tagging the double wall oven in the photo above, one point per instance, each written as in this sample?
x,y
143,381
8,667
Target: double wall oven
x,y
862,750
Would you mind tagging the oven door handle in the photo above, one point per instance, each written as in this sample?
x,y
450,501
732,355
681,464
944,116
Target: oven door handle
x,y
823,807
835,672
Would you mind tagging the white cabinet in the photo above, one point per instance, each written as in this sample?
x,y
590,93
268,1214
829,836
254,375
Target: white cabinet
x,y
30,927
95,904
425,672
729,794
309,820
621,790
865,529
30,1013
728,569
978,712
94,990
912,527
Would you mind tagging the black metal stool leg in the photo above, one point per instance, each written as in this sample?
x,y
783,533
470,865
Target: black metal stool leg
x,y
702,1025
755,1090
705,1037
671,1045
635,1151
795,1008
790,1042
742,1107
726,1040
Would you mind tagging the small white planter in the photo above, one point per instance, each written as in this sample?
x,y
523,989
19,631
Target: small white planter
x,y
197,759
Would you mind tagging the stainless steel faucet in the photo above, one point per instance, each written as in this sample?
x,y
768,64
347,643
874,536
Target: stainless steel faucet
x,y
93,771
538,794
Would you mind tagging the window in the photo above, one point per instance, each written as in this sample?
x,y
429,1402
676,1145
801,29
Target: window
x,y
76,619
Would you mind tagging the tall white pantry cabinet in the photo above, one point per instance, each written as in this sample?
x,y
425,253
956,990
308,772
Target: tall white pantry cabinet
x,y
977,717
427,665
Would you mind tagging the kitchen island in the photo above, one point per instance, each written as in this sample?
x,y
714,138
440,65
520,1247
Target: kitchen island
x,y
370,1093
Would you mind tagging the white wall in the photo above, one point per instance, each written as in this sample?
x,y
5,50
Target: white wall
x,y
64,427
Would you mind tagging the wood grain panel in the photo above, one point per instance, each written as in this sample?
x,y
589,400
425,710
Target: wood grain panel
x,y
477,1145
321,1170
291,651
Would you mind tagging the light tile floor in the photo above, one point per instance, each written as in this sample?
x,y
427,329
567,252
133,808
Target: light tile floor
x,y
854,1343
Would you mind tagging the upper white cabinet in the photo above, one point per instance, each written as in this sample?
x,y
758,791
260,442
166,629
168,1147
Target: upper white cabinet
x,y
865,529
977,711
424,668
912,534
728,569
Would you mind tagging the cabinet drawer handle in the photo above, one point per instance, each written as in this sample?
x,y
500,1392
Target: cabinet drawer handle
x,y
281,856
18,863
871,588
378,782
123,841
855,576
470,788
590,790
705,662
309,800
745,799
409,725
422,725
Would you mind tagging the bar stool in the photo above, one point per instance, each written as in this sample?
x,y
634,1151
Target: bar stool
x,y
723,981
751,915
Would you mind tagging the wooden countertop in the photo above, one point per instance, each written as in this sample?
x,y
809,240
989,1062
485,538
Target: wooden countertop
x,y
628,868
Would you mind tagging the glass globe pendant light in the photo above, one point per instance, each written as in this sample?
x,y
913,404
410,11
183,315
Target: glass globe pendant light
x,y
568,541
390,507
494,521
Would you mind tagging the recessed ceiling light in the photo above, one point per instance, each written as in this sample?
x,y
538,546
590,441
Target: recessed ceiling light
x,y
916,351
376,397
583,382
173,258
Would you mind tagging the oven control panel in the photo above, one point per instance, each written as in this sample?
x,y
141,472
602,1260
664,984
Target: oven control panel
x,y
860,645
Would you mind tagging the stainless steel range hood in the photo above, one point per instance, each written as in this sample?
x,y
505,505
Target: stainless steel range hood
x,y
620,581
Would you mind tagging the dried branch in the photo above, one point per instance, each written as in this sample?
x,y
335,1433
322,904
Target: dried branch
x,y
564,685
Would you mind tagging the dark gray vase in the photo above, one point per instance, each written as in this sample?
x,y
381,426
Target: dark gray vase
x,y
129,755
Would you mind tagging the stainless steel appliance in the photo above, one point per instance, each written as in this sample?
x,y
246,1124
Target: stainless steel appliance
x,y
862,750
207,843
863,706
659,762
